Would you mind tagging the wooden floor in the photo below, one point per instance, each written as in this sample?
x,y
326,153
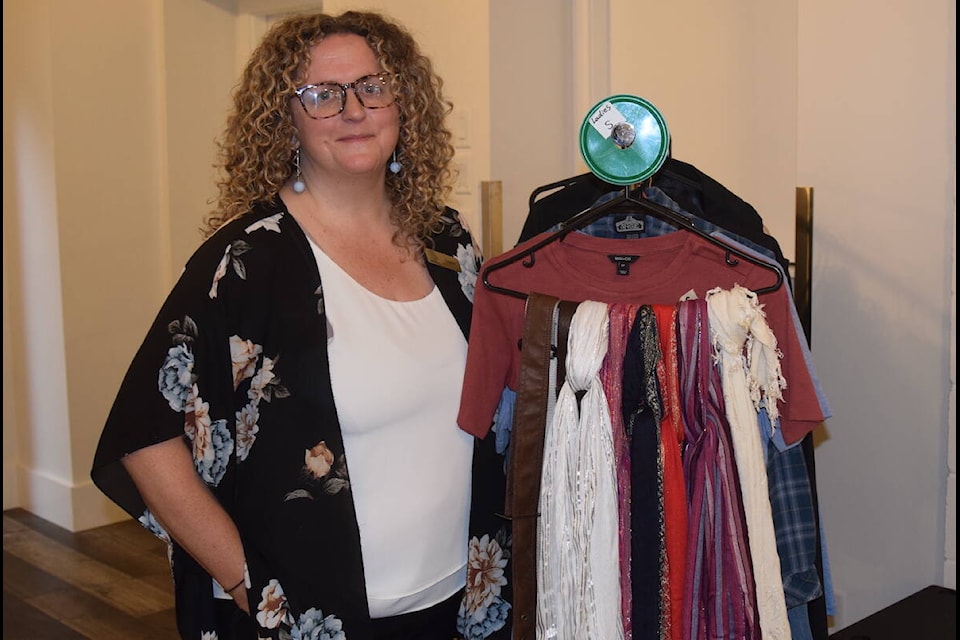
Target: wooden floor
x,y
108,583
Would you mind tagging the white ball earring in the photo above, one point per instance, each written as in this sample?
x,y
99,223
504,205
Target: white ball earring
x,y
299,186
395,166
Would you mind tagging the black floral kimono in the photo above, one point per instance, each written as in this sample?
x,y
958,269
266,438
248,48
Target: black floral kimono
x,y
236,364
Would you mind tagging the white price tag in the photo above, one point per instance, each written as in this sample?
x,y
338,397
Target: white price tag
x,y
605,117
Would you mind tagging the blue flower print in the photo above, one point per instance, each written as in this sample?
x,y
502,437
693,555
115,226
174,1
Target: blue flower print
x,y
490,619
176,376
503,424
503,419
313,626
151,524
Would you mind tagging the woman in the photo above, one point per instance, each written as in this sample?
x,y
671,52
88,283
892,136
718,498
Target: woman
x,y
289,423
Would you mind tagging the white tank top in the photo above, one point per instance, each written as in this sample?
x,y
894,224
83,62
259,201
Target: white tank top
x,y
397,373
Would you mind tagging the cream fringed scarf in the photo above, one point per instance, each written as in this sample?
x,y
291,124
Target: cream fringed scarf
x,y
746,349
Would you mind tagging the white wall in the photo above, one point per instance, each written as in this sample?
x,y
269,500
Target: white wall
x,y
103,104
535,122
950,528
723,74
48,475
877,141
196,97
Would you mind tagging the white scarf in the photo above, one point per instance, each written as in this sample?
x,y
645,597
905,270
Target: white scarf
x,y
578,571
751,377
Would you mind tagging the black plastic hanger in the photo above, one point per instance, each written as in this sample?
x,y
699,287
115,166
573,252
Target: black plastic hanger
x,y
557,186
630,197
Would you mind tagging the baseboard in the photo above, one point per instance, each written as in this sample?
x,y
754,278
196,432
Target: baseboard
x,y
93,509
73,507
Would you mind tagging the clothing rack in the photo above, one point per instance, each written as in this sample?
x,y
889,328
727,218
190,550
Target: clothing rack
x,y
803,278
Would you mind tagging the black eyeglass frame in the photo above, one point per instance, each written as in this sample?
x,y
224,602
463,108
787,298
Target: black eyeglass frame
x,y
385,78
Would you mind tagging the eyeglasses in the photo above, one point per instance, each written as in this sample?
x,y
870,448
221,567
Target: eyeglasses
x,y
328,99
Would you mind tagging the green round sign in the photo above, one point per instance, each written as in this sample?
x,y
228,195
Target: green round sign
x,y
624,139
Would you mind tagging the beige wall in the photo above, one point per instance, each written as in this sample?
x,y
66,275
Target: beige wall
x,y
724,75
109,125
877,140
104,185
531,102
70,228
196,96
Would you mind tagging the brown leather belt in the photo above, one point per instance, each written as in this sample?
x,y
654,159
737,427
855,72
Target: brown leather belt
x,y
526,447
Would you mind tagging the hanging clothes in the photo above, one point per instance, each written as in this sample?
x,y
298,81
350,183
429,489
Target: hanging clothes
x,y
627,272
642,408
533,410
674,485
580,268
720,596
692,189
578,593
793,485
750,373
611,374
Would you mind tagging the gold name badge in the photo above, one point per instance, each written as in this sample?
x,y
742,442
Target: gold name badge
x,y
442,260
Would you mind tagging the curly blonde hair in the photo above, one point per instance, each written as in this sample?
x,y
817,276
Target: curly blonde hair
x,y
256,149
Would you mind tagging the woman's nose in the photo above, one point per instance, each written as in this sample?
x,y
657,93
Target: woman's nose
x,y
352,107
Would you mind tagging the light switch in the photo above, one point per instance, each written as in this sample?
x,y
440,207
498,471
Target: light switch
x,y
460,128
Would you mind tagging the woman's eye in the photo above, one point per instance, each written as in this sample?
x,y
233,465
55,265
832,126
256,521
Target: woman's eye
x,y
326,95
